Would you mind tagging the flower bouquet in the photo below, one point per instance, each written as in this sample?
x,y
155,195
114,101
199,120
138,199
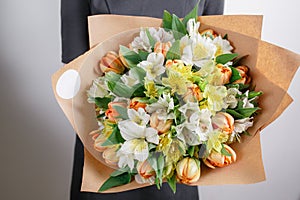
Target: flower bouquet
x,y
173,102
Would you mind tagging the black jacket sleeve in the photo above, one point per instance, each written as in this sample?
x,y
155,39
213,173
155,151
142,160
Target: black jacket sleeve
x,y
213,7
74,28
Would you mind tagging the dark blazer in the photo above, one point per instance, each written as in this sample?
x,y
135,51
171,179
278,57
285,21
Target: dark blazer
x,y
74,34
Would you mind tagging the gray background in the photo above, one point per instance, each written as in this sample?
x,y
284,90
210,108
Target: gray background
x,y
37,141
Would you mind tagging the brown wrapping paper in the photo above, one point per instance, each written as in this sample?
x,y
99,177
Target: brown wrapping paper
x,y
272,69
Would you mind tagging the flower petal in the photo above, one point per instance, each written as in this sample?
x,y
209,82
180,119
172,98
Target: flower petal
x,y
141,151
130,130
152,135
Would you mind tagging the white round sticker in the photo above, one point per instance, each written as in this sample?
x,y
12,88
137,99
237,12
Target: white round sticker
x,y
68,84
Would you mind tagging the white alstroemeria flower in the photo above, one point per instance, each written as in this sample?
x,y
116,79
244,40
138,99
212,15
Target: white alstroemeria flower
x,y
240,126
129,80
193,28
137,137
161,35
200,51
247,102
153,65
231,99
188,133
205,122
125,160
142,41
165,102
196,126
201,125
223,46
98,89
189,109
140,117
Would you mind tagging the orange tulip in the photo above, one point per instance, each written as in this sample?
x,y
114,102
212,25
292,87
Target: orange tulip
x,y
163,48
193,94
135,104
111,62
224,122
226,74
112,113
188,170
245,79
216,159
160,125
110,155
145,170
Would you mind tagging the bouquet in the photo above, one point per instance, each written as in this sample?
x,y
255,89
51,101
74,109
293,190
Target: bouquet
x,y
171,100
194,112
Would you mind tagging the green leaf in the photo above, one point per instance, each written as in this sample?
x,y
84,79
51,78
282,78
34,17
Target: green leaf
x,y
151,39
143,55
138,91
138,73
235,114
225,37
241,113
178,28
102,102
191,150
225,58
157,162
192,14
247,112
167,20
119,89
253,94
112,76
131,57
235,75
224,151
120,171
160,167
151,146
114,138
115,181
122,90
121,111
172,183
202,85
174,51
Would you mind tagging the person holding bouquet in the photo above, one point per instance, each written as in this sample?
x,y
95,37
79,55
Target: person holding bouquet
x,y
74,33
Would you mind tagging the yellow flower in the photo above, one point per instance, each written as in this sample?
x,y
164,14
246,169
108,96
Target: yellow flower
x,y
215,97
172,149
184,70
176,82
151,90
215,140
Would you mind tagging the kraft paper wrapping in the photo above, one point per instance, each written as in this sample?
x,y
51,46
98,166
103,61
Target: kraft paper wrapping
x,y
272,69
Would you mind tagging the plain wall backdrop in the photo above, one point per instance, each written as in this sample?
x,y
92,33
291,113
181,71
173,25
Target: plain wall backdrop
x,y
36,145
